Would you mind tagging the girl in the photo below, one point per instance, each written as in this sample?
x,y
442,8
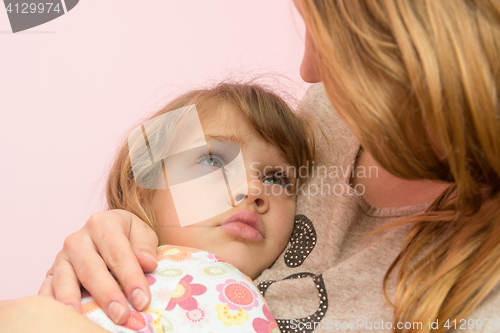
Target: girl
x,y
195,287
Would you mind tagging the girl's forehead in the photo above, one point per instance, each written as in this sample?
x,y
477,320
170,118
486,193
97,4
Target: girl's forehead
x,y
228,121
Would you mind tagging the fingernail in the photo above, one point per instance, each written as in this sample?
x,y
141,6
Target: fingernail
x,y
138,298
115,311
71,307
149,255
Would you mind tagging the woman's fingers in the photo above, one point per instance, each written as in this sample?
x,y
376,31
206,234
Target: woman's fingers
x,y
143,241
116,239
91,270
110,233
66,287
46,287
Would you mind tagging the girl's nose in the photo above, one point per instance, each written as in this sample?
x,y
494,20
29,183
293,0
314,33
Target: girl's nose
x,y
257,196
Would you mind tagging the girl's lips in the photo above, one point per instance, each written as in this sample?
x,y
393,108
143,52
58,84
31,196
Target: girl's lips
x,y
245,224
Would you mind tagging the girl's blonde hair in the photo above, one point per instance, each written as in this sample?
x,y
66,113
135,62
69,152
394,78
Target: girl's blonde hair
x,y
265,111
418,82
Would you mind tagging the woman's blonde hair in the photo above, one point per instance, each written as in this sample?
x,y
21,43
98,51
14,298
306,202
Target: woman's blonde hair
x,y
266,112
418,82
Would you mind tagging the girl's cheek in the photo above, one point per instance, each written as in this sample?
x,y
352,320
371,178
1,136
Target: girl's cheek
x,y
286,214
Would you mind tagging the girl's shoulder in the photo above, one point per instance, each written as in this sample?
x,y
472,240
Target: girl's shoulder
x,y
191,291
208,294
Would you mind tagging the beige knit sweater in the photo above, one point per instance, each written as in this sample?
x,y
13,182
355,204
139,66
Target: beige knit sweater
x,y
330,277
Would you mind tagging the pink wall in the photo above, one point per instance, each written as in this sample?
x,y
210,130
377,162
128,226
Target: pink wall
x,y
71,88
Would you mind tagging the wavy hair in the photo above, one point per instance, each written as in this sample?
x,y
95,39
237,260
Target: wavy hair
x,y
418,83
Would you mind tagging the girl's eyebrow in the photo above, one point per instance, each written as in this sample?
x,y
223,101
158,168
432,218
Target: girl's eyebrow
x,y
229,138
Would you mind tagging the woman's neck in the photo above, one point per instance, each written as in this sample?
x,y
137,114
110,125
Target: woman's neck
x,y
382,189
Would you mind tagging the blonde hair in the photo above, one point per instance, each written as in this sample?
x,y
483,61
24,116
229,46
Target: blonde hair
x,y
265,111
418,82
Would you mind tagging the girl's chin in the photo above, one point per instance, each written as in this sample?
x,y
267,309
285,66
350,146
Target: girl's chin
x,y
242,259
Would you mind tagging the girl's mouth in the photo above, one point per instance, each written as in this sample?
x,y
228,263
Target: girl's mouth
x,y
245,224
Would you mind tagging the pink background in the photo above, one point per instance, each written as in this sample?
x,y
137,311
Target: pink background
x,y
71,88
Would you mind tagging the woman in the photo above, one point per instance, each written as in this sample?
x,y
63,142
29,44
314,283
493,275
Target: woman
x,y
417,84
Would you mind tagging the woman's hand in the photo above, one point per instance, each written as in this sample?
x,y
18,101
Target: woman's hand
x,y
116,239
42,315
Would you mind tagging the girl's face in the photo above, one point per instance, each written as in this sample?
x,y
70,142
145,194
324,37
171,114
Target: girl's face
x,y
252,234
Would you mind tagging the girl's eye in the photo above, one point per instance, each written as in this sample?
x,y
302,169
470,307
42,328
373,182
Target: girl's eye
x,y
212,161
276,179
